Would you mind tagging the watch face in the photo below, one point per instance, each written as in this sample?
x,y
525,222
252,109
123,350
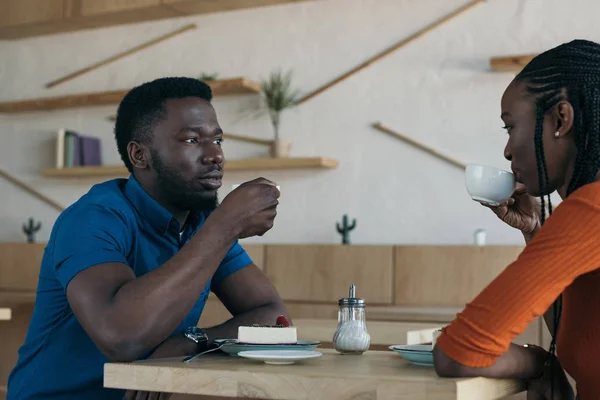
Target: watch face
x,y
196,334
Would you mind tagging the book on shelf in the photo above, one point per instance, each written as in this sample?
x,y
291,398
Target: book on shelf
x,y
76,150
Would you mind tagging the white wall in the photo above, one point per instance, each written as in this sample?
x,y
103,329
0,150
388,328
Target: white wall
x,y
438,90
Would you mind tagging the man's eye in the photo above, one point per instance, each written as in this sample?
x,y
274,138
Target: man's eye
x,y
219,141
191,140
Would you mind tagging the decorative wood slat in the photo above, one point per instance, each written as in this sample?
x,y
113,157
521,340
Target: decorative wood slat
x,y
123,54
17,182
419,145
390,50
510,63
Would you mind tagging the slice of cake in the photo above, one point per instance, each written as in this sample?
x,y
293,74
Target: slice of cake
x,y
280,333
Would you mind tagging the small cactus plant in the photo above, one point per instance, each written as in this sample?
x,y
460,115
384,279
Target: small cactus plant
x,y
31,229
344,229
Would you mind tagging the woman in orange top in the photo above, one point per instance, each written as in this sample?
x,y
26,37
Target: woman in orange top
x,y
552,115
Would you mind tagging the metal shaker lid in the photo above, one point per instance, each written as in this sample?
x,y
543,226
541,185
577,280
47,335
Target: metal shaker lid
x,y
352,300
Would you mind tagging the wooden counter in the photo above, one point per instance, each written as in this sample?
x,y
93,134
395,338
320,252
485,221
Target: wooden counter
x,y
374,375
406,288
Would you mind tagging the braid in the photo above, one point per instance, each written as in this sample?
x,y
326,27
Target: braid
x,y
539,156
578,127
569,72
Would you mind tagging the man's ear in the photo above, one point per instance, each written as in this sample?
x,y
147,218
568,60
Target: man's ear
x,y
138,155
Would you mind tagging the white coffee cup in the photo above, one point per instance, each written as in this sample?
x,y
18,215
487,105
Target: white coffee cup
x,y
490,185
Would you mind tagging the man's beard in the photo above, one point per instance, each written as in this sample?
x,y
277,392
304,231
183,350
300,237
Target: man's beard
x,y
178,192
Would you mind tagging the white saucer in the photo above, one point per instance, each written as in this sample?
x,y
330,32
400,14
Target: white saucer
x,y
279,357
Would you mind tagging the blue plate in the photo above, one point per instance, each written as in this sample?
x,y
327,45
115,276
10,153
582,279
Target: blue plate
x,y
232,347
418,354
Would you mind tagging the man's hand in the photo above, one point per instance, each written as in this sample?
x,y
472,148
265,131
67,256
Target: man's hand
x,y
175,346
554,374
251,207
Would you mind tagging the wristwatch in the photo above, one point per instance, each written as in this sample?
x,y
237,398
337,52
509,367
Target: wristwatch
x,y
198,336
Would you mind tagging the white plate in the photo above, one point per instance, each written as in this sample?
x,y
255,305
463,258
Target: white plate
x,y
232,347
279,357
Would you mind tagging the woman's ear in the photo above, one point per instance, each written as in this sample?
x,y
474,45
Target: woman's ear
x,y
564,115
138,154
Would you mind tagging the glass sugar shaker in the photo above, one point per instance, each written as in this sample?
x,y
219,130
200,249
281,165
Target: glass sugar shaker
x,y
351,335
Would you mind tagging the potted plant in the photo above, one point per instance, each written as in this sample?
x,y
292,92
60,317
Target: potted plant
x,y
278,96
208,76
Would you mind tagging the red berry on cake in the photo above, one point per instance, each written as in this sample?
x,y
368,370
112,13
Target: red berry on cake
x,y
281,320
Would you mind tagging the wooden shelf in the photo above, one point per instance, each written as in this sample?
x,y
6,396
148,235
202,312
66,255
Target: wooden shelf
x,y
511,63
16,297
21,19
219,87
231,165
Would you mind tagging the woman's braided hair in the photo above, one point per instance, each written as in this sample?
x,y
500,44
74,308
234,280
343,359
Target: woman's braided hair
x,y
568,72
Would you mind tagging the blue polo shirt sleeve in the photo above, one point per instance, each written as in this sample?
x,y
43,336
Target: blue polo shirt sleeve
x,y
88,235
235,259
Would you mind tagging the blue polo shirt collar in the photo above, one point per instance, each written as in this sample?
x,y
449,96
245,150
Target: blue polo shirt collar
x,y
158,216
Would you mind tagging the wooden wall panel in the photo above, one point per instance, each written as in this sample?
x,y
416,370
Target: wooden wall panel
x,y
256,253
383,334
414,313
20,265
24,12
214,312
312,310
447,275
324,273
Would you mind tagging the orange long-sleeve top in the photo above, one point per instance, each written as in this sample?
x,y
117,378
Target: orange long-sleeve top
x,y
564,257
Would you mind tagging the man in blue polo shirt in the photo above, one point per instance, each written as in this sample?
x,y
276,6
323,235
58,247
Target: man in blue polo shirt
x,y
128,267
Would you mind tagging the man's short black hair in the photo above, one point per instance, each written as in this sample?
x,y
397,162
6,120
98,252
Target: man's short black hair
x,y
143,107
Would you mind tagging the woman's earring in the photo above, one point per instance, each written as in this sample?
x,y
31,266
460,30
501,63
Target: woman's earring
x,y
556,134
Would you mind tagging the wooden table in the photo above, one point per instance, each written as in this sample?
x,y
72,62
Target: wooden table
x,y
376,375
